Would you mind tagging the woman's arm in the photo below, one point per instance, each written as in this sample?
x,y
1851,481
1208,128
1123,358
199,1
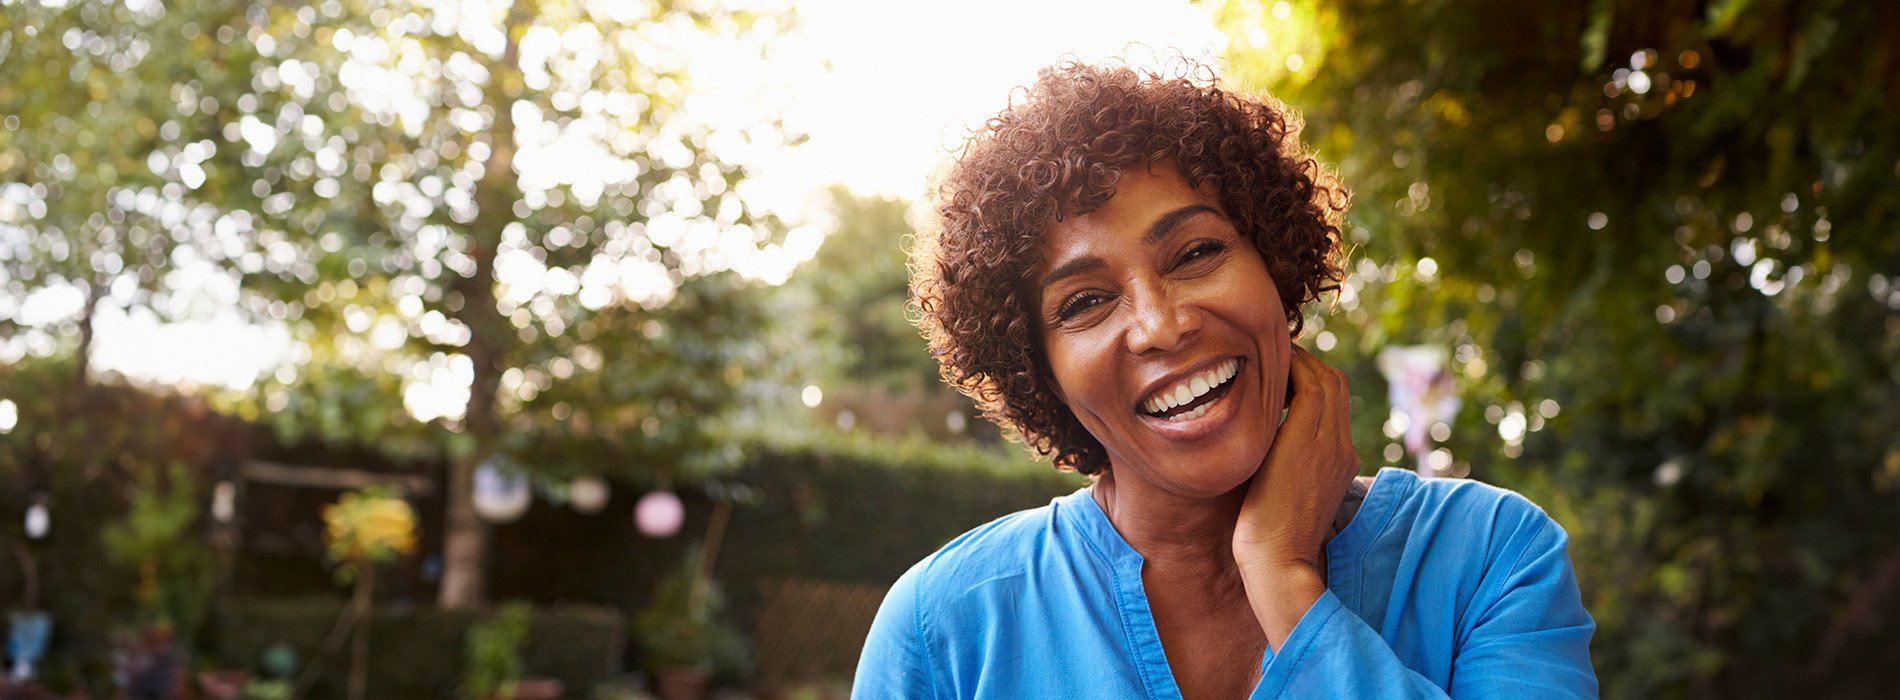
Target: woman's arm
x,y
1293,498
1523,634
892,663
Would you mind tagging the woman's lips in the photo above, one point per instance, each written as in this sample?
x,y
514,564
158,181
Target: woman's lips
x,y
1192,393
1198,407
1208,413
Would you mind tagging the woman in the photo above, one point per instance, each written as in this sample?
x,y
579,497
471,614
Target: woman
x,y
1115,273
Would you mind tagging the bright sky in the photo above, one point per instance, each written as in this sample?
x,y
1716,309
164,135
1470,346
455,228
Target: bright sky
x,y
907,77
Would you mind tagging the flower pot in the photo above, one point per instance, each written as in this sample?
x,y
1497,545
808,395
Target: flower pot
x,y
27,634
538,689
680,683
223,685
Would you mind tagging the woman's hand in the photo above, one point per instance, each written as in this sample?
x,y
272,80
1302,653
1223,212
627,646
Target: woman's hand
x,y
1293,499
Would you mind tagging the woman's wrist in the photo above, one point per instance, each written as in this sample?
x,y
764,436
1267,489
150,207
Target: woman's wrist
x,y
1280,594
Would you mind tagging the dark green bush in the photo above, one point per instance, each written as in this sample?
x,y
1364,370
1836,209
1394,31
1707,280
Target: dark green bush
x,y
493,650
420,653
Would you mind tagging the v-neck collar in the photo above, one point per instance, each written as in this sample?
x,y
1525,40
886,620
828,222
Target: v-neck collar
x,y
1123,564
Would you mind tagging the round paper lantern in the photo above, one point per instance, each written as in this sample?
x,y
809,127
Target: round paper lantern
x,y
500,497
38,521
224,502
659,514
588,494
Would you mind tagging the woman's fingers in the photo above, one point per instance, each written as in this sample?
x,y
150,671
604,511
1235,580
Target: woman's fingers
x,y
1320,394
1292,500
1306,390
1333,411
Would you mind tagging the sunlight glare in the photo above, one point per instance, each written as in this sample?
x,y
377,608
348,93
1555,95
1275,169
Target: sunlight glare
x,y
879,89
909,75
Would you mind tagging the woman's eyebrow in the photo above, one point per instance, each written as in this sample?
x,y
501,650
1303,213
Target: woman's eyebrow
x,y
1072,267
1156,231
1162,226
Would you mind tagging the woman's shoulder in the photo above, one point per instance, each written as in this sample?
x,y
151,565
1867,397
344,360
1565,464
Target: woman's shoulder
x,y
1467,500
1445,546
1006,610
1477,518
1000,547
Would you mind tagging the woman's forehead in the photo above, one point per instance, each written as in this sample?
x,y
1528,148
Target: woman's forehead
x,y
1145,201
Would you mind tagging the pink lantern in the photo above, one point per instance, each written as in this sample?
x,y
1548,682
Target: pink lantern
x,y
659,514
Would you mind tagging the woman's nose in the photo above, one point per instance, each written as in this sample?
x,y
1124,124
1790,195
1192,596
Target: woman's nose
x,y
1161,320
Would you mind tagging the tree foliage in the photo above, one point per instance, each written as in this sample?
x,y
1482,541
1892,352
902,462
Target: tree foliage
x,y
859,284
1660,239
853,299
525,229
95,119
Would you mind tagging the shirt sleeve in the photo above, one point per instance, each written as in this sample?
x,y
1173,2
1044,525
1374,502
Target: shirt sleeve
x,y
1529,639
893,663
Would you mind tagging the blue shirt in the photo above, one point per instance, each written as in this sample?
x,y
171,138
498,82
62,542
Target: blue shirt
x,y
1436,588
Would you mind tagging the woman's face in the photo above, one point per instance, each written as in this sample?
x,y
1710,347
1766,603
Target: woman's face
x,y
1166,334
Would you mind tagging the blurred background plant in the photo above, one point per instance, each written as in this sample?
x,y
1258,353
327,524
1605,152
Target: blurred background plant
x,y
367,528
155,539
362,530
686,638
494,652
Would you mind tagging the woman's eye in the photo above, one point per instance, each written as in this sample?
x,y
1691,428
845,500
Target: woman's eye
x,y
1201,250
1077,304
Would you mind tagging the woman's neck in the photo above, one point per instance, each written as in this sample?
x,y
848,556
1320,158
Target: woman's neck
x,y
1170,531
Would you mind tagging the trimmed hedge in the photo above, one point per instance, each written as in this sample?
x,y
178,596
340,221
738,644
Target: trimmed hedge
x,y
864,509
817,506
418,653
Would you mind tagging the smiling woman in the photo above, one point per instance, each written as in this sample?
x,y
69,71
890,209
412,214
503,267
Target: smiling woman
x,y
1115,272
1146,296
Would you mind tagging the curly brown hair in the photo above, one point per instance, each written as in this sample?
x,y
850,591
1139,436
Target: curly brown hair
x,y
1058,151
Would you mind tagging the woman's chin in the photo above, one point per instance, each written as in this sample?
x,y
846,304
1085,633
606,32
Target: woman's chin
x,y
1207,453
1203,474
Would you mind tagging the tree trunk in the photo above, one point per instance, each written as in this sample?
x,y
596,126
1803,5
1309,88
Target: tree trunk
x,y
359,653
464,535
464,541
83,358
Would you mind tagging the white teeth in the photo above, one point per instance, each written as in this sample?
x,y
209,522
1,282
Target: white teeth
x,y
1190,415
1195,386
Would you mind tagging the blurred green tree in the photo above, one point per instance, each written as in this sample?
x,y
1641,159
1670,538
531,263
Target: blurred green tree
x,y
87,135
471,210
867,353
98,141
489,231
859,283
1659,239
